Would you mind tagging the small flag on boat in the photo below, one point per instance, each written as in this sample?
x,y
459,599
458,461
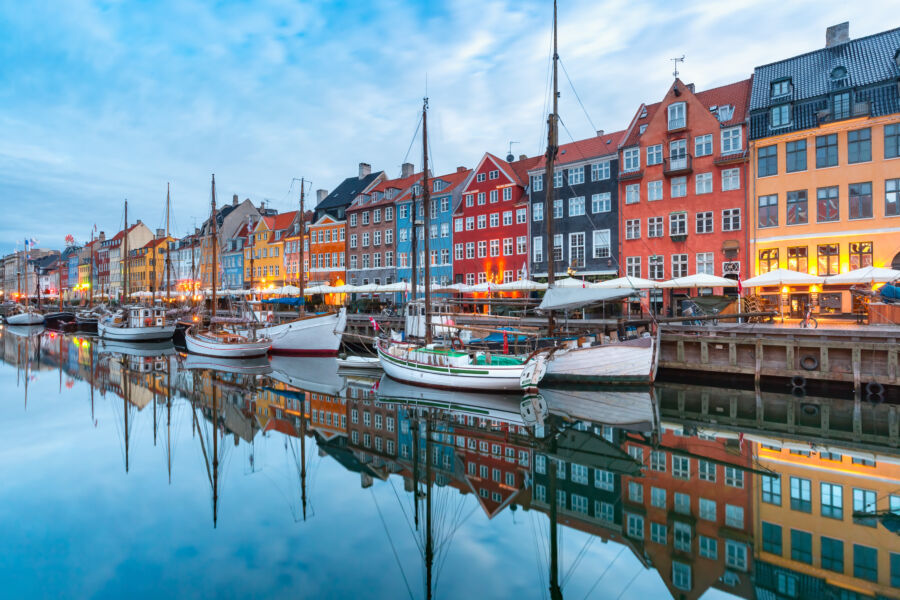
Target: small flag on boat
x,y
375,385
374,323
505,344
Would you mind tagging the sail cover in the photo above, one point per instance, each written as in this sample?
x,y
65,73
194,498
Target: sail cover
x,y
563,298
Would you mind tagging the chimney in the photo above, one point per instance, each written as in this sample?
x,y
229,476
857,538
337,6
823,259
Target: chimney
x,y
407,169
321,195
600,133
234,200
461,169
837,34
690,87
523,156
262,206
364,169
160,234
138,222
102,237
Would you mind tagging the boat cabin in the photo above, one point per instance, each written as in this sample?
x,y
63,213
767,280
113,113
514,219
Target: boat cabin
x,y
441,317
142,316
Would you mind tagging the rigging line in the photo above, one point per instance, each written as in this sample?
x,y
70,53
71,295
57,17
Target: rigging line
x,y
577,97
537,554
578,558
413,140
547,93
403,509
640,569
608,567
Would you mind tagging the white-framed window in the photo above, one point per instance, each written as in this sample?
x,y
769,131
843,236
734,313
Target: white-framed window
x,y
731,179
494,196
557,246
703,145
703,183
402,211
493,174
521,216
656,267
576,206
734,516
631,159
495,220
678,187
635,526
678,223
537,211
731,140
736,555
635,492
707,509
658,532
682,536
632,229
482,248
507,218
600,171
558,178
654,155
470,223
470,249
458,250
376,238
576,248
558,208
654,190
709,547
537,249
633,193
445,232
376,215
495,247
655,227
482,221
352,241
576,175
704,222
681,575
601,202
507,193
604,511
731,219
457,225
677,115
658,497
633,266
734,477
522,244
480,198
480,177
470,200
365,218
537,183
706,264
507,246
679,267
365,239
470,278
602,243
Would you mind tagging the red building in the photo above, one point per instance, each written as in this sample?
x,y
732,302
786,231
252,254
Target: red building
x,y
490,226
683,186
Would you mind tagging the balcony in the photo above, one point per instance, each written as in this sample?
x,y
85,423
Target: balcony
x,y
677,165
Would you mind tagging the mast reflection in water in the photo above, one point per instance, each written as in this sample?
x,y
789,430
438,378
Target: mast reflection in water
x,y
132,470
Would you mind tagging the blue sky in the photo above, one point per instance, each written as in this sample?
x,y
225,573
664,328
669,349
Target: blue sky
x,y
102,101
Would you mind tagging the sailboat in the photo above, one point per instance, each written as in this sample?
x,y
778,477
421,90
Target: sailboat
x,y
432,365
26,315
134,323
221,343
308,334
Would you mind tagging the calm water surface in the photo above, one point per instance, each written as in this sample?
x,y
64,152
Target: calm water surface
x,y
142,472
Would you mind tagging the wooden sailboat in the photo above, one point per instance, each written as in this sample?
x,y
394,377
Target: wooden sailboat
x,y
445,367
219,342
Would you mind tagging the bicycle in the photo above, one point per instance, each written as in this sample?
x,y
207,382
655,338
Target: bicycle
x,y
809,321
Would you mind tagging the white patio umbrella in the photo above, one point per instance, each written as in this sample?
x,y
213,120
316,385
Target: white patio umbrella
x,y
521,285
369,288
698,280
344,289
399,286
290,290
864,275
627,283
782,277
483,287
571,282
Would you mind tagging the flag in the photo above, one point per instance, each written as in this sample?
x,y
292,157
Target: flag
x,y
741,440
374,323
740,287
34,242
505,344
375,385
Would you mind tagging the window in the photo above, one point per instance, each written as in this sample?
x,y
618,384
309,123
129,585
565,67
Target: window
x,y
365,218
771,535
601,243
658,533
482,221
768,211
832,501
679,187
704,222
537,249
731,140
637,453
635,527
376,238
707,509
557,178
786,584
736,555
678,223
832,554
706,263
864,502
495,247
681,466
521,216
795,153
895,570
797,208
633,266
469,200
521,244
860,195
457,252
682,503
600,171
480,198
682,536
655,227
507,246
681,575
709,547
706,470
734,516
654,190
892,140
827,204
605,480
800,494
658,497
801,546
537,211
658,461
558,208
859,145
703,183
826,151
353,220
654,155
780,115
576,249
602,202
731,179
482,248
731,219
632,193
797,259
604,511
579,474
840,105
494,220
865,562
860,255
767,161
576,206
635,492
576,175
507,218
828,259
781,88
892,197
677,115
631,159
702,145
632,229
537,183
494,197
656,266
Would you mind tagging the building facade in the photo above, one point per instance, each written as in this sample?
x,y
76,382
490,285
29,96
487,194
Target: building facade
x,y
327,252
267,249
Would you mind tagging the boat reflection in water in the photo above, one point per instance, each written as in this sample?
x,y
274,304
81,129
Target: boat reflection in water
x,y
695,488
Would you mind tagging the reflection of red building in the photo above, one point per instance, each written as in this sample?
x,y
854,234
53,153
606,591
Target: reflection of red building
x,y
372,427
490,226
692,511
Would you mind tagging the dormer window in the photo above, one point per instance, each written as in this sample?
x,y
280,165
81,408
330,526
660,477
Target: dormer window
x,y
724,113
838,73
677,115
642,129
644,109
438,185
780,88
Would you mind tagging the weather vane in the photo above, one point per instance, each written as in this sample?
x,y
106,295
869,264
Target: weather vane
x,y
675,62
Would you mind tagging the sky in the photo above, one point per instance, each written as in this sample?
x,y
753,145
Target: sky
x,y
106,101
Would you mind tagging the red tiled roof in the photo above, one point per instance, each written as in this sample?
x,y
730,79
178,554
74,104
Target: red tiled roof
x,y
155,242
633,132
452,179
736,94
598,145
282,221
520,168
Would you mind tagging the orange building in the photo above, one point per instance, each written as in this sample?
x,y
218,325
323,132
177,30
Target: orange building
x,y
266,250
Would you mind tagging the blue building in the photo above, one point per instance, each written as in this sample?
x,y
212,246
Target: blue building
x,y
233,260
446,193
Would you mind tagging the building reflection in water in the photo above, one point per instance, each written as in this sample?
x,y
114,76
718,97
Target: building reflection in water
x,y
756,494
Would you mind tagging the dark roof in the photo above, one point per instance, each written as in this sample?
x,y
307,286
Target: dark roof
x,y
344,193
868,60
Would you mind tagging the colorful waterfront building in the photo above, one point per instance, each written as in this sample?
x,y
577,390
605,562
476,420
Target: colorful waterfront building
x,y
233,257
146,265
683,185
267,248
585,211
825,146
490,225
337,202
446,194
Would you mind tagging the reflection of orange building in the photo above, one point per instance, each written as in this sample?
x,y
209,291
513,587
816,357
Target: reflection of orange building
x,y
807,538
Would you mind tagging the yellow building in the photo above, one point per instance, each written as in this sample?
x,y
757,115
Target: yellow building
x,y
266,250
825,165
147,266
810,539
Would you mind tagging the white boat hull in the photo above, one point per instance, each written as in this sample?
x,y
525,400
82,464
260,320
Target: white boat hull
x,y
135,334
26,318
314,336
628,362
202,345
632,410
474,377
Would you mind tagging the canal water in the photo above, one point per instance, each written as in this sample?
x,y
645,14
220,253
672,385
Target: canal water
x,y
141,472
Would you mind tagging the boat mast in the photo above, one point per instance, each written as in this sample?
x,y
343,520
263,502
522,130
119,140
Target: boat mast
x,y
91,273
125,410
213,234
302,254
552,149
215,432
125,286
59,280
252,245
555,590
303,455
429,540
168,263
426,209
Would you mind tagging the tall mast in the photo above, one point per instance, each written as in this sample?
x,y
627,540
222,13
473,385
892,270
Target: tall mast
x,y
168,264
125,285
214,235
552,149
91,272
252,245
426,208
302,254
555,589
429,540
59,280
125,406
414,246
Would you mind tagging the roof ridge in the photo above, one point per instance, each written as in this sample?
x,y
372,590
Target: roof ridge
x,y
810,52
